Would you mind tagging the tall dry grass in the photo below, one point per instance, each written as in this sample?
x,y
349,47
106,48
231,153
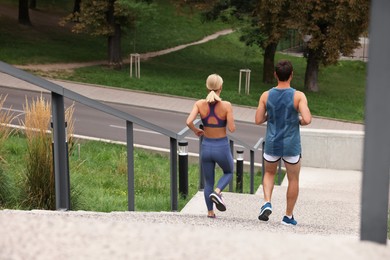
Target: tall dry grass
x,y
70,127
6,116
40,182
39,185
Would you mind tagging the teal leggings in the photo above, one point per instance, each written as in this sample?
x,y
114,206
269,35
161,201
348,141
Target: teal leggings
x,y
215,150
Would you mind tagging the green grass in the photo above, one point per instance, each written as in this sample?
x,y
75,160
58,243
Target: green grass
x,y
50,43
98,178
183,73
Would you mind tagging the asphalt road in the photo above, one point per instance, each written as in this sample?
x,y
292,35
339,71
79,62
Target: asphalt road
x,y
92,123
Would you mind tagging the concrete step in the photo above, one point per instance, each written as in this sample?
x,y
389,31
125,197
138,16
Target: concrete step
x,y
44,235
328,203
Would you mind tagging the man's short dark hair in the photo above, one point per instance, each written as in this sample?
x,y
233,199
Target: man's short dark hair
x,y
283,70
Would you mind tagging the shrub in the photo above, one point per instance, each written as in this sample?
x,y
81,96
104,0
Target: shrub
x,y
6,116
39,183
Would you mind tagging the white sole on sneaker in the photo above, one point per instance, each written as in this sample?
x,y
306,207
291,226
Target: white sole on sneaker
x,y
287,224
218,203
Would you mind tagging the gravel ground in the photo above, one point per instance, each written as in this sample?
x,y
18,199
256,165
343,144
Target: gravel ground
x,y
328,214
165,235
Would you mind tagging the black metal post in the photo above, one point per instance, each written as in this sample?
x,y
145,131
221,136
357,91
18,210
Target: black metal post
x,y
239,171
183,168
252,172
262,163
61,173
130,166
201,177
173,173
232,151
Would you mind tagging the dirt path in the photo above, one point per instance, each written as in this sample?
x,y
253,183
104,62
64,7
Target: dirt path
x,y
143,56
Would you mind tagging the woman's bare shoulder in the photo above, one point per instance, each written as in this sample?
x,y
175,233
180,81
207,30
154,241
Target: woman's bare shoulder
x,y
201,102
226,103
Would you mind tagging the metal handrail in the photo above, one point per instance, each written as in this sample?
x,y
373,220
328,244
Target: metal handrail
x,y
185,131
61,171
59,149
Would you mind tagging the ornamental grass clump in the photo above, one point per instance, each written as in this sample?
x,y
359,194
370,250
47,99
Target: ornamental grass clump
x,y
39,182
6,116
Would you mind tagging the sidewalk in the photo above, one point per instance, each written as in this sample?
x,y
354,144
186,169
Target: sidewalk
x,y
163,102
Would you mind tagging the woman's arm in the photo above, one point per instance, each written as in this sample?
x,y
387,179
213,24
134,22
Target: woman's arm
x,y
190,120
230,118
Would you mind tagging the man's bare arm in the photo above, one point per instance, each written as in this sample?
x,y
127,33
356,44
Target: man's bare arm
x,y
303,109
261,112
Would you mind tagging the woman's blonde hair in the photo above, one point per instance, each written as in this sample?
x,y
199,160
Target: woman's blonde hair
x,y
213,83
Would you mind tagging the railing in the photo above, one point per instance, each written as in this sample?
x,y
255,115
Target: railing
x,y
233,140
60,152
61,171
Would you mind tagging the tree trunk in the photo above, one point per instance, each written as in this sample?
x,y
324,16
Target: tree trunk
x,y
311,74
76,7
114,41
114,48
33,4
269,65
24,17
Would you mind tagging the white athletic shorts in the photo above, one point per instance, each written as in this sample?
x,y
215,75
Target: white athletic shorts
x,y
287,159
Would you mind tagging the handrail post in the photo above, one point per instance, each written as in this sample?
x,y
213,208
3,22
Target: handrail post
x,y
201,177
262,163
62,188
173,173
232,152
252,172
130,166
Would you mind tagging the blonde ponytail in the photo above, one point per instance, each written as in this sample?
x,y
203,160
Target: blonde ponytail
x,y
213,83
212,97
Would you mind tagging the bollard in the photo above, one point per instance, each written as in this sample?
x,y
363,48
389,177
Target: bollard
x,y
183,168
240,171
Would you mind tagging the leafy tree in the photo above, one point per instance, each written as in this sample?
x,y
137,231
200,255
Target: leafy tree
x,y
33,4
270,21
76,6
24,16
260,22
330,28
108,18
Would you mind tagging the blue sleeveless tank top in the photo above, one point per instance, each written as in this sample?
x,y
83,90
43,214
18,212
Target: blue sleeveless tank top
x,y
283,136
211,114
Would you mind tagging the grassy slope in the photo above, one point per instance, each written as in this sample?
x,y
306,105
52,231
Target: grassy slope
x,y
182,73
